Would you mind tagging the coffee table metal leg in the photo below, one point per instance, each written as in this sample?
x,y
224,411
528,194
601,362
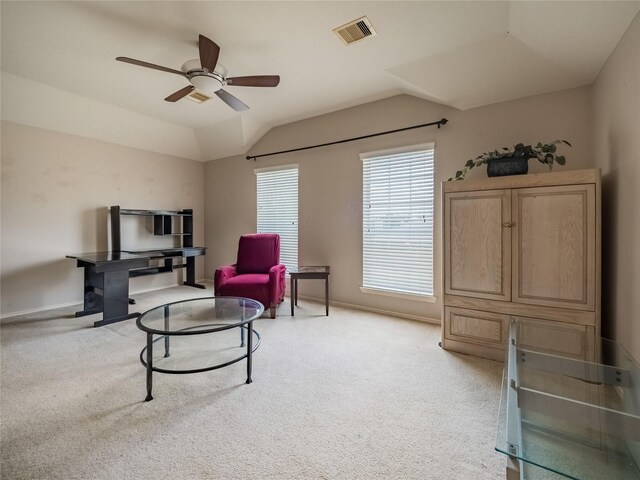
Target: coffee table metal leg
x,y
249,350
149,366
166,328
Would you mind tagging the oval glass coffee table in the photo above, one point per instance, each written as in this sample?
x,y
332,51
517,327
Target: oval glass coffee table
x,y
188,321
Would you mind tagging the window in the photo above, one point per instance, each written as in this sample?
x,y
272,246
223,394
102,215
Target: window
x,y
398,220
278,209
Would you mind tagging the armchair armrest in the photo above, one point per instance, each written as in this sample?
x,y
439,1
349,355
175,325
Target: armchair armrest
x,y
222,274
277,283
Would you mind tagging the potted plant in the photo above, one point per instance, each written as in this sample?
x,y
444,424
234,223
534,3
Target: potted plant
x,y
514,161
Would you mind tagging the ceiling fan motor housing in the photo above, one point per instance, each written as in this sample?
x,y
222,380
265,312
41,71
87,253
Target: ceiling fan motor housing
x,y
203,80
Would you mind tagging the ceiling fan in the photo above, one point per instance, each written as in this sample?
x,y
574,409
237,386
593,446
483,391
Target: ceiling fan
x,y
208,76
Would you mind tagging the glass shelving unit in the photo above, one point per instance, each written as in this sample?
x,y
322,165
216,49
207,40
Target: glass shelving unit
x,y
567,418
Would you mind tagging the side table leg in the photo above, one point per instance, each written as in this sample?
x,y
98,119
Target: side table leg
x,y
149,366
249,350
296,292
326,294
292,294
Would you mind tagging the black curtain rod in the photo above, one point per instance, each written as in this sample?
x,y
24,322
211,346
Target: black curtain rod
x,y
438,123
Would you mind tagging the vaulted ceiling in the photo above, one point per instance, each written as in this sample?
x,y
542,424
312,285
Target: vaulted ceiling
x,y
59,68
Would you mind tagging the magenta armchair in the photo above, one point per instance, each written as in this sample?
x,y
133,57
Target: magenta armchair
x,y
257,274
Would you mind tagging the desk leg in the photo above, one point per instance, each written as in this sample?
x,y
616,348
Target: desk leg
x,y
326,294
249,350
93,286
191,274
115,298
296,292
149,366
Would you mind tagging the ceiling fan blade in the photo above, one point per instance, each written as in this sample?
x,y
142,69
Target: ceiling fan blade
x,y
209,52
255,81
183,92
140,63
232,101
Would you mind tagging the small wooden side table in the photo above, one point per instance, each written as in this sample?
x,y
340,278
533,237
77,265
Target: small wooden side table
x,y
320,273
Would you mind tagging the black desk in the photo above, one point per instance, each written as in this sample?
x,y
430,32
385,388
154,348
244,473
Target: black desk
x,y
106,278
106,284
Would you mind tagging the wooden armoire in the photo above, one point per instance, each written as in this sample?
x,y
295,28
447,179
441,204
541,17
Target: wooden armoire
x,y
526,247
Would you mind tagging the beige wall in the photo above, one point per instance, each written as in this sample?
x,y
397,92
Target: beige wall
x,y
55,192
330,178
617,151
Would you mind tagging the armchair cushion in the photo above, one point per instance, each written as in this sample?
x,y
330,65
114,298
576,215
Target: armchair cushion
x,y
249,285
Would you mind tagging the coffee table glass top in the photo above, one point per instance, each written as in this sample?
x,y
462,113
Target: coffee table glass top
x,y
568,418
200,315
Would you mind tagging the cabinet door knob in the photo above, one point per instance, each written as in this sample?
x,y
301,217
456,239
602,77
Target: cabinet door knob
x,y
508,224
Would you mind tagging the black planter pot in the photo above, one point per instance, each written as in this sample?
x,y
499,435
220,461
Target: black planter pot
x,y
507,166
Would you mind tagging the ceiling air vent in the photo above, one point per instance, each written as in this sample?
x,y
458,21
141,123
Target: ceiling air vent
x,y
198,97
357,30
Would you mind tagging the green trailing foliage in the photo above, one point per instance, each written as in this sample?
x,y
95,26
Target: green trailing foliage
x,y
545,153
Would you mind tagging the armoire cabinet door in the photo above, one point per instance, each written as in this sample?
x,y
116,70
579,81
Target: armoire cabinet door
x,y
554,246
477,244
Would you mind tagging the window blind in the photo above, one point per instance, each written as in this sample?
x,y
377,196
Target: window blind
x,y
277,192
398,195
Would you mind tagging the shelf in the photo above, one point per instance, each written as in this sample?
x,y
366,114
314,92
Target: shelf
x,y
169,213
163,224
173,234
155,270
169,252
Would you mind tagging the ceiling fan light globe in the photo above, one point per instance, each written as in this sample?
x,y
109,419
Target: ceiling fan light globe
x,y
206,84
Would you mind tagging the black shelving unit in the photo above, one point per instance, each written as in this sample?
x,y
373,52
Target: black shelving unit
x,y
172,258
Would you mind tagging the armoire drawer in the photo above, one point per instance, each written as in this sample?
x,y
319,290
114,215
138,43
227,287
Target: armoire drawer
x,y
474,332
476,326
567,340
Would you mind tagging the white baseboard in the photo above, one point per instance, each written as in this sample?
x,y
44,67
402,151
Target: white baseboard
x,y
39,309
373,310
79,302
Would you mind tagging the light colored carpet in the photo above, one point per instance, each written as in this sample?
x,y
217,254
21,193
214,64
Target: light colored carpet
x,y
350,396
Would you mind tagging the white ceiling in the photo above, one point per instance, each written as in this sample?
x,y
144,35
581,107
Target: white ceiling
x,y
460,54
